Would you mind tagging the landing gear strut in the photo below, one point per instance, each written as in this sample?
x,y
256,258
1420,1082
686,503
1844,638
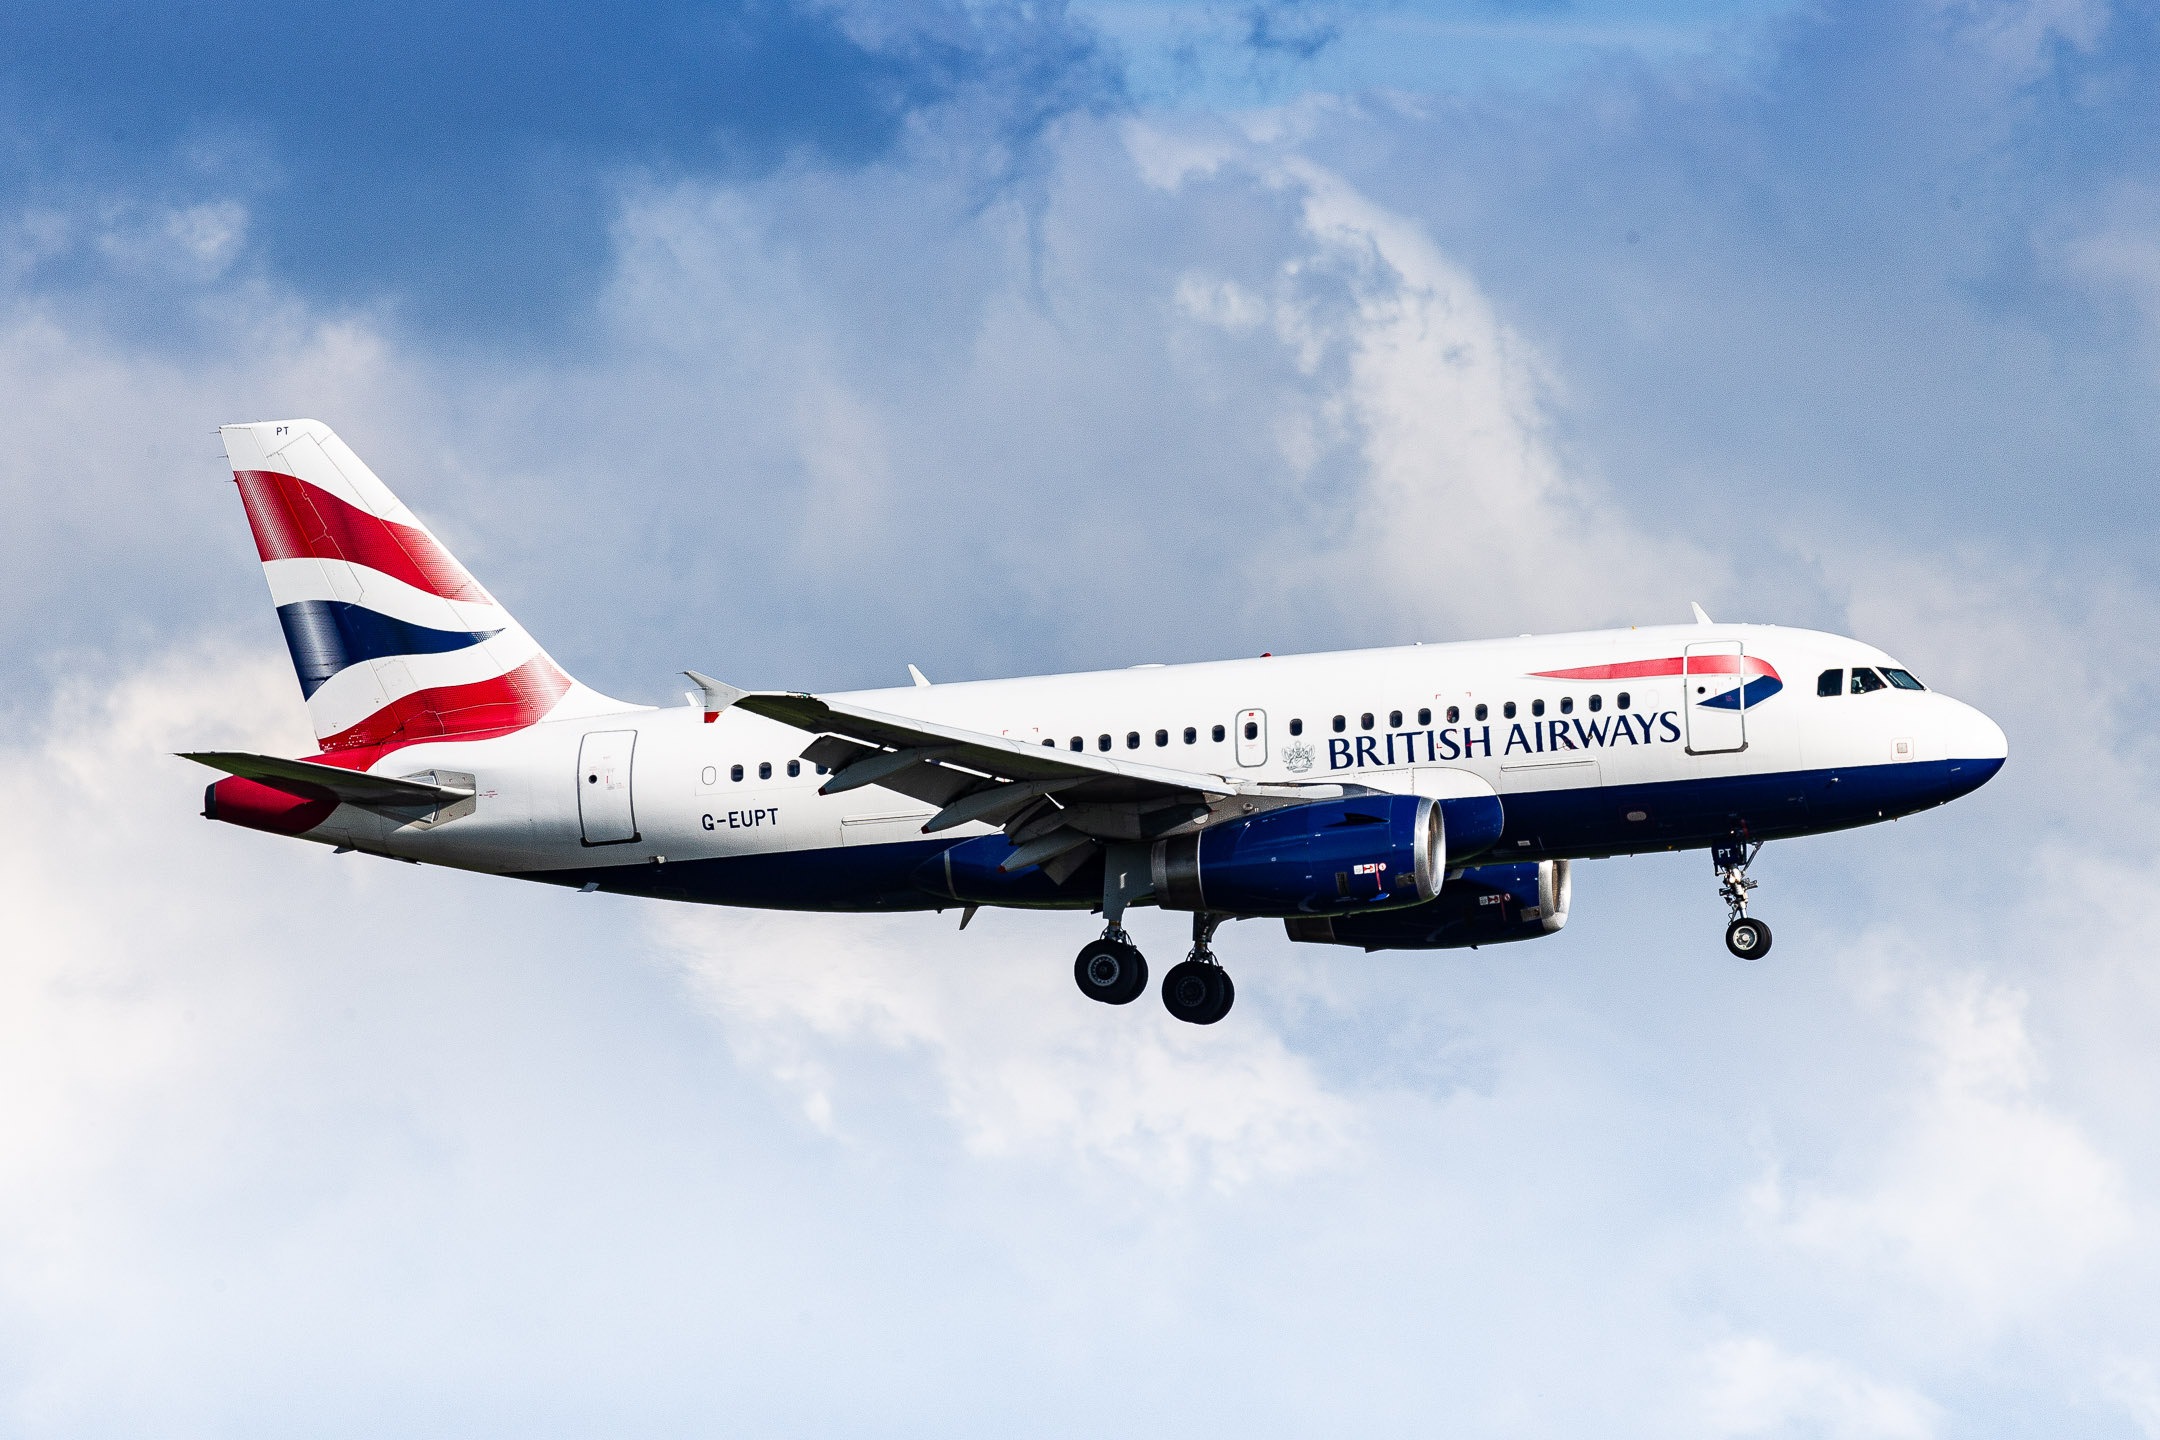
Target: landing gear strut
x,y
1746,937
1198,990
1111,969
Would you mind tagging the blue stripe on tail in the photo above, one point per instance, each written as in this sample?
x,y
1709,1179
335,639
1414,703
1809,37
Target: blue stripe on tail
x,y
325,636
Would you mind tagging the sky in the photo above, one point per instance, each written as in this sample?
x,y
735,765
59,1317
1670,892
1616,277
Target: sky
x,y
799,342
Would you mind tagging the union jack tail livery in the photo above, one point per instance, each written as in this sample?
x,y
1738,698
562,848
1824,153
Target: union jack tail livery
x,y
393,639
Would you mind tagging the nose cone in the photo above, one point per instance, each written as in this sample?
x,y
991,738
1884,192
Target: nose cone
x,y
1974,745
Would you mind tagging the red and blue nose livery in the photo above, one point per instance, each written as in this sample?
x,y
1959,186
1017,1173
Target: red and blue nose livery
x,y
393,640
1760,683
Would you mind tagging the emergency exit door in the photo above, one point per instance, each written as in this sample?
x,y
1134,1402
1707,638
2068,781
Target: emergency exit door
x,y
1252,737
1713,697
603,786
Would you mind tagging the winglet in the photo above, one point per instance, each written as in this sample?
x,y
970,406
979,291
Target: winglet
x,y
920,678
718,694
1702,616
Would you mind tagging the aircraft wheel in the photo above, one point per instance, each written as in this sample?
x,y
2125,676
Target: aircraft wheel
x,y
1198,993
1748,938
1110,971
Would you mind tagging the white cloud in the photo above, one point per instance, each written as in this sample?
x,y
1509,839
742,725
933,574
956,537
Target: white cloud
x,y
1750,1386
1462,511
1026,1066
1988,1199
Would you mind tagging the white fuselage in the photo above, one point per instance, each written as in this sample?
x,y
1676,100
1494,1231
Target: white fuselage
x,y
1590,772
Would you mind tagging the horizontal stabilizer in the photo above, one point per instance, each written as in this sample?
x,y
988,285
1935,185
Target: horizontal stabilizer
x,y
306,779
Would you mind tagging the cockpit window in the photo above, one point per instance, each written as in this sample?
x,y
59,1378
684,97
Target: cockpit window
x,y
1830,682
1865,681
1903,679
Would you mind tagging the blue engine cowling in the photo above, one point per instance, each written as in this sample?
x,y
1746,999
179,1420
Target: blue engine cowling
x,y
1371,852
1485,905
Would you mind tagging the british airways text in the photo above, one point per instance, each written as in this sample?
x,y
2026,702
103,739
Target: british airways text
x,y
1473,742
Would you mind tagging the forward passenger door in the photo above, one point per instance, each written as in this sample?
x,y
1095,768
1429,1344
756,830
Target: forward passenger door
x,y
1713,696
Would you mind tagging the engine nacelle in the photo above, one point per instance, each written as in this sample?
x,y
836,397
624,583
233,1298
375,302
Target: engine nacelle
x,y
1325,857
1487,905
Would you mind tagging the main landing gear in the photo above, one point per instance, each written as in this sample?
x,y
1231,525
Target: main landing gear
x,y
1111,969
1197,990
1746,937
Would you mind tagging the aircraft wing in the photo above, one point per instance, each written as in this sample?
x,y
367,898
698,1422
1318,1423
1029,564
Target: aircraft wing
x,y
1049,801
305,777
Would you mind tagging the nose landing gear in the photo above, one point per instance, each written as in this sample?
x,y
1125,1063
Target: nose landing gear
x,y
1198,990
1746,937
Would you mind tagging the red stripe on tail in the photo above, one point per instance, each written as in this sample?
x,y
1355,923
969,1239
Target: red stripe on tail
x,y
294,520
507,702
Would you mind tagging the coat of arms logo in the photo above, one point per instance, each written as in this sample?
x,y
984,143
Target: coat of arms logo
x,y
1298,758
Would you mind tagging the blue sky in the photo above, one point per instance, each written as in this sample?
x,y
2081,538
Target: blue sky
x,y
795,343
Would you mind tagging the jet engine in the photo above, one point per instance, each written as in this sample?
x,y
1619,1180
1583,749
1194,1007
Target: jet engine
x,y
1485,905
1363,853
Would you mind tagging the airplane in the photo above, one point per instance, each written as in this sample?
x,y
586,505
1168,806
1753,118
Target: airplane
x,y
1426,797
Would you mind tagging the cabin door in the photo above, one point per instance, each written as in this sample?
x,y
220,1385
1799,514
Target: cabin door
x,y
1713,697
603,787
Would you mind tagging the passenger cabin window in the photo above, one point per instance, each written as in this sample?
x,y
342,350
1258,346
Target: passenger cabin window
x,y
764,770
1507,711
1865,681
1132,739
734,772
1078,743
1454,713
794,768
1297,727
1338,724
1252,729
1480,712
1830,682
1597,703
1424,717
1192,736
1621,699
1394,719
1162,738
1537,707
1365,721
1217,732
1903,679
1102,742
1567,704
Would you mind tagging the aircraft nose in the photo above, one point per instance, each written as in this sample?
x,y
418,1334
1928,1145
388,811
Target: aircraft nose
x,y
1970,735
1975,747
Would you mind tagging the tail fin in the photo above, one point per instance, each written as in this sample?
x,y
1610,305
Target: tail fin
x,y
394,640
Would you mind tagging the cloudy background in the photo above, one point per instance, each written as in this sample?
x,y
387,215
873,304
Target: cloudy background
x,y
798,342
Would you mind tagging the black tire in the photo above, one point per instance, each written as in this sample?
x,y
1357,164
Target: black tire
x,y
1748,938
1111,972
1197,993
1226,995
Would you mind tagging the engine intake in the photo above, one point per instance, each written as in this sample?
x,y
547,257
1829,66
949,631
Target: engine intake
x,y
1486,905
